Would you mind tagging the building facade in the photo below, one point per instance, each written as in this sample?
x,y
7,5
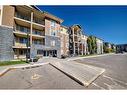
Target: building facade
x,y
77,41
99,43
34,32
121,48
27,31
64,39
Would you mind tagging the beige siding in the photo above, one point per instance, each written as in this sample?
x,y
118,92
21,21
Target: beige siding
x,y
7,16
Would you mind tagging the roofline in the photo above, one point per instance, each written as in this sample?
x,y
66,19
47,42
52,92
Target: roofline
x,y
64,26
121,44
97,37
61,20
45,12
109,43
34,6
76,25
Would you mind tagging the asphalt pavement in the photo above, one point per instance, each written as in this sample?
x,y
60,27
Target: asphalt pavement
x,y
43,77
115,76
48,77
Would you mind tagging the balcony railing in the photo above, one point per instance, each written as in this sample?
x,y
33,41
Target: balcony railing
x,y
22,16
38,42
20,44
38,21
22,29
40,33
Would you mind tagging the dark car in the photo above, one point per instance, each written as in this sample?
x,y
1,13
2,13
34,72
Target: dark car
x,y
63,56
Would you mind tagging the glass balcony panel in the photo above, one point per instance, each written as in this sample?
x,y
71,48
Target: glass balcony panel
x,y
22,29
22,16
39,21
40,33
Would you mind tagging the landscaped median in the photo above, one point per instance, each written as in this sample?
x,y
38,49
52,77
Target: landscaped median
x,y
5,63
5,66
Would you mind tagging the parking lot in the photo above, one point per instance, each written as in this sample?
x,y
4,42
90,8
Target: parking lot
x,y
48,77
115,76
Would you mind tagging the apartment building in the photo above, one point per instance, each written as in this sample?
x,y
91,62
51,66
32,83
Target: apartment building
x,y
121,48
30,31
99,45
64,39
77,41
85,47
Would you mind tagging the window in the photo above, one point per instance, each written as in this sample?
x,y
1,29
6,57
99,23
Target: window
x,y
52,43
53,33
39,51
36,32
38,42
52,28
67,45
22,29
23,40
53,23
22,52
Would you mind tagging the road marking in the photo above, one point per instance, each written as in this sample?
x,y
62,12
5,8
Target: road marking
x,y
35,76
114,79
109,87
98,85
116,86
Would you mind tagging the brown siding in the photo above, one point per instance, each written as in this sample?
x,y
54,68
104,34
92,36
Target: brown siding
x,y
64,39
7,16
47,27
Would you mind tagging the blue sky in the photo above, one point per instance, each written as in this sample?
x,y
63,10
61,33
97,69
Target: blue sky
x,y
106,22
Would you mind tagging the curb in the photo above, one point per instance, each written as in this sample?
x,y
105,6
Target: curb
x,y
5,71
92,56
21,67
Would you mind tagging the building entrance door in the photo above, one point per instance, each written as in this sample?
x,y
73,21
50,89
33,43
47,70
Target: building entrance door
x,y
50,53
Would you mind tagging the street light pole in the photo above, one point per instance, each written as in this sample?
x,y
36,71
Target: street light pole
x,y
27,45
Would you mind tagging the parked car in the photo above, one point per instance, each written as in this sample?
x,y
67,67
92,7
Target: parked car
x,y
35,59
63,56
119,52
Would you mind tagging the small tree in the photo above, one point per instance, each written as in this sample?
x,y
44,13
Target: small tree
x,y
89,41
92,45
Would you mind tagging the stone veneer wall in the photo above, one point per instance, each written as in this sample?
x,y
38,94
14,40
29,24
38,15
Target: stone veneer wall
x,y
47,45
6,43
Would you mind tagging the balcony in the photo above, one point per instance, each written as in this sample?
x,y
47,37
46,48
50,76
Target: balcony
x,y
21,31
22,16
38,42
38,21
20,45
38,34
